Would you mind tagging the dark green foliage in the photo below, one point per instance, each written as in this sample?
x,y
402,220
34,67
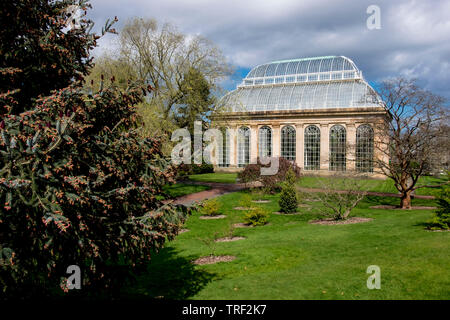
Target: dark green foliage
x,y
78,184
202,168
288,198
441,219
184,170
195,101
38,53
76,189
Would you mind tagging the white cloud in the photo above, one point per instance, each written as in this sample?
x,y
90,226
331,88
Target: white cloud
x,y
414,38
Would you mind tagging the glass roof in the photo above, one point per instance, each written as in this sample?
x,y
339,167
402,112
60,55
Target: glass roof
x,y
322,67
302,96
310,83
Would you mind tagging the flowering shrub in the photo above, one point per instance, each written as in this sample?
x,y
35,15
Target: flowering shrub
x,y
79,185
271,183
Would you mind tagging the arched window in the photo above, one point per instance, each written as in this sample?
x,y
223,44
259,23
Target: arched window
x,y
338,140
224,153
364,148
243,146
265,142
312,148
288,143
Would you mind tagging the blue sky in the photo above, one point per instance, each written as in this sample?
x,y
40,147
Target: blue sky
x,y
414,39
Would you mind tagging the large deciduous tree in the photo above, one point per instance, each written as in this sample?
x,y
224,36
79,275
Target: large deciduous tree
x,y
418,121
184,71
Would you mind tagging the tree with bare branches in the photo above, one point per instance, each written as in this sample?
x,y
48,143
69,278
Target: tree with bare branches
x,y
183,70
340,194
418,120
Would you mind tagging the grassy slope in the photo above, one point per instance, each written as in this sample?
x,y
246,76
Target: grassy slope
x,y
291,259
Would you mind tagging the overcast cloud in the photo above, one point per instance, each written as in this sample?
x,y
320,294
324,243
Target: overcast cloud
x,y
414,39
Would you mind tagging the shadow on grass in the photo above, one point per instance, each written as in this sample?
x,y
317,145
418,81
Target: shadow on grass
x,y
375,200
424,224
168,276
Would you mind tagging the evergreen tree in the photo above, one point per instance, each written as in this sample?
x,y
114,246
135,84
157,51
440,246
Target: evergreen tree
x,y
78,184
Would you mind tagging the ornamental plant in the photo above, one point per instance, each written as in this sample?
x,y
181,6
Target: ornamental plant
x,y
211,207
78,183
256,217
246,201
270,183
288,198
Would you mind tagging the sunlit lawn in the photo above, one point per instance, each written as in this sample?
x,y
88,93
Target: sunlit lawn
x,y
181,189
314,182
378,185
214,177
292,259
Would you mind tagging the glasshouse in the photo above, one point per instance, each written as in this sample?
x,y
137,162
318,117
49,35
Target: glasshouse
x,y
318,112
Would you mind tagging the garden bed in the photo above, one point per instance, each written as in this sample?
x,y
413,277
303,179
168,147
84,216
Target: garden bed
x,y
261,201
243,208
220,216
229,239
213,259
247,225
286,214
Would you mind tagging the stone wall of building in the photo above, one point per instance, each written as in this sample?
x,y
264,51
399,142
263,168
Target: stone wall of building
x,y
350,119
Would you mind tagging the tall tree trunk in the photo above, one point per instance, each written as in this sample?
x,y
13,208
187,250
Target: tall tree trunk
x,y
405,202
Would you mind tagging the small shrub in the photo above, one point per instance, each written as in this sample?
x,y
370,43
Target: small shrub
x,y
184,170
250,173
256,217
288,198
337,204
246,201
211,207
202,168
230,230
441,219
210,243
271,183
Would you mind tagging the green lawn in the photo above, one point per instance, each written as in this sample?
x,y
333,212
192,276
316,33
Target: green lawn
x,y
214,177
292,259
314,182
181,189
380,185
